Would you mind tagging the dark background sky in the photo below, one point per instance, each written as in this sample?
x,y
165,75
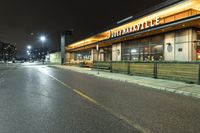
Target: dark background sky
x,y
45,17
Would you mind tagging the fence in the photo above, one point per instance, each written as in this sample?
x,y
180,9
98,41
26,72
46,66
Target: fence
x,y
181,71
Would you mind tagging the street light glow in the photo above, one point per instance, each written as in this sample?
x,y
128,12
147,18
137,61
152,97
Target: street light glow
x,y
29,47
42,38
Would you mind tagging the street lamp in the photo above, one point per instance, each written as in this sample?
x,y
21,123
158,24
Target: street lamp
x,y
43,39
29,54
29,47
29,51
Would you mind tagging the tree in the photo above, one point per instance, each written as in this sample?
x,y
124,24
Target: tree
x,y
7,51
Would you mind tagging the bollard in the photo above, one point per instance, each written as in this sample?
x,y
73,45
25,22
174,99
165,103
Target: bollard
x,y
155,70
111,67
129,67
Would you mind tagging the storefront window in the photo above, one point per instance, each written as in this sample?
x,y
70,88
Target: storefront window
x,y
85,55
198,34
134,53
156,48
156,53
108,53
144,53
198,45
130,51
146,49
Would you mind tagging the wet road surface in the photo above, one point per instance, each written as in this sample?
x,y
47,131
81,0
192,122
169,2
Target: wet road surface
x,y
36,98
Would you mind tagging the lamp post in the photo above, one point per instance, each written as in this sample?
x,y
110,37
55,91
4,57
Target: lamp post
x,y
43,39
29,51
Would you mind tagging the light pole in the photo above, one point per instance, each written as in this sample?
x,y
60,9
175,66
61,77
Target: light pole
x,y
29,51
43,39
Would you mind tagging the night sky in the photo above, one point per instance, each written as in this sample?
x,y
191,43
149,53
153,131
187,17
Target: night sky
x,y
44,17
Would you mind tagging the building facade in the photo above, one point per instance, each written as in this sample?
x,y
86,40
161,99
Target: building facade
x,y
55,57
167,32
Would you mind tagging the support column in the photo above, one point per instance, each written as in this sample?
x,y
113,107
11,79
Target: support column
x,y
66,39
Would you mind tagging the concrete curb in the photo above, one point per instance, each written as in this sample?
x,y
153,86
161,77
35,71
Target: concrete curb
x,y
186,93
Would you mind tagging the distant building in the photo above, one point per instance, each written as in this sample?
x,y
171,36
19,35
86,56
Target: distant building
x,y
54,58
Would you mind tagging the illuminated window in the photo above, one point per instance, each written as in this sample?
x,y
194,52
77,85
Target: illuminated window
x,y
145,49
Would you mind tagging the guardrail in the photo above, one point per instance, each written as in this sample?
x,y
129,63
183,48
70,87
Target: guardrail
x,y
181,71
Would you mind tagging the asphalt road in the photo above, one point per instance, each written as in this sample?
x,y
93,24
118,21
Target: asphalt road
x,y
40,99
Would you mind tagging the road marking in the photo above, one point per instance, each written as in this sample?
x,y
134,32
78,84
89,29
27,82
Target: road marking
x,y
85,96
64,84
117,115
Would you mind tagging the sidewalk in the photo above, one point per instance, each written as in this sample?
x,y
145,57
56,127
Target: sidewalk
x,y
166,85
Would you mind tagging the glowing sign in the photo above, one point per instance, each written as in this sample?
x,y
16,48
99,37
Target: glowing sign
x,y
137,27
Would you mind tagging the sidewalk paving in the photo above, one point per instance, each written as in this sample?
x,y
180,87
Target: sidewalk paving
x,y
161,84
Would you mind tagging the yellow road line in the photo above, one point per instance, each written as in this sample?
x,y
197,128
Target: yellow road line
x,y
85,96
117,115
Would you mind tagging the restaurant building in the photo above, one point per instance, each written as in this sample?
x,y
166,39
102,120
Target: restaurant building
x,y
166,32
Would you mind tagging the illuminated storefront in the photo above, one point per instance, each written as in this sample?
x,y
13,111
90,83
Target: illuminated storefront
x,y
167,32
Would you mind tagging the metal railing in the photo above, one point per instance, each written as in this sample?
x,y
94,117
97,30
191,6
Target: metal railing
x,y
180,71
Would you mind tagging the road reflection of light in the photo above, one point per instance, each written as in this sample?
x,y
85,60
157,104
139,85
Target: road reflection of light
x,y
43,69
38,91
